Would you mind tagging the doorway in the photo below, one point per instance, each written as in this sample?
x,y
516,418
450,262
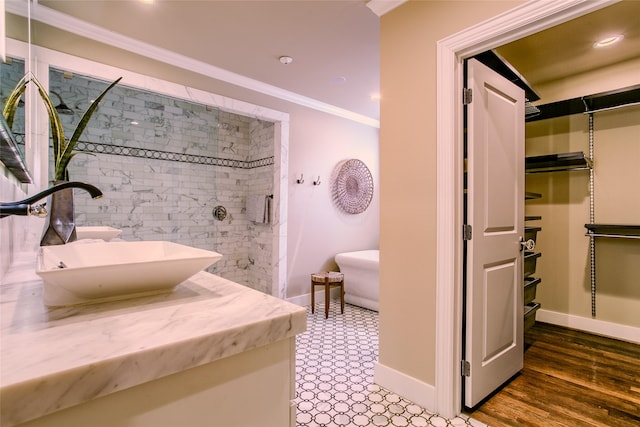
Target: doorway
x,y
520,22
494,219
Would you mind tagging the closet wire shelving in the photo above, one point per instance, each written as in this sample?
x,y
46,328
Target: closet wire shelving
x,y
578,161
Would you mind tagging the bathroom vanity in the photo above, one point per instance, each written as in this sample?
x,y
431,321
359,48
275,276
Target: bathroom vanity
x,y
212,352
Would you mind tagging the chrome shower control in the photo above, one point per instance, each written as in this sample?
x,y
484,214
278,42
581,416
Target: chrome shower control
x,y
219,213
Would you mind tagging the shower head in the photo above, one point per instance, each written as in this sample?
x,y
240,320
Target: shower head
x,y
62,108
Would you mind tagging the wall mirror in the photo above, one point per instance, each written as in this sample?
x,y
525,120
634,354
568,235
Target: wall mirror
x,y
163,162
149,148
12,140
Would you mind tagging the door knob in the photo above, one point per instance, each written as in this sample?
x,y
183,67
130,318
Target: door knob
x,y
527,244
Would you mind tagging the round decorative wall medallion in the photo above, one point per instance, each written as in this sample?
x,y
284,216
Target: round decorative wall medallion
x,y
352,187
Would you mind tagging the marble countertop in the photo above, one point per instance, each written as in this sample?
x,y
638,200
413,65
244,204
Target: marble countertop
x,y
75,354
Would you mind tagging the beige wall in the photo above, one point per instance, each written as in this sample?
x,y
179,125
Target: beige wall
x,y
565,265
408,111
408,37
564,207
613,77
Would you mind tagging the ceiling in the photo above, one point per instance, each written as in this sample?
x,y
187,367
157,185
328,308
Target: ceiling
x,y
567,49
334,43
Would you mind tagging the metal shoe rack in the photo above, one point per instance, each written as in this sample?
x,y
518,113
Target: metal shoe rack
x,y
530,261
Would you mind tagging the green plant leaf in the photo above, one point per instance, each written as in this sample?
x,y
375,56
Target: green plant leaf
x,y
87,114
62,149
67,153
57,131
61,172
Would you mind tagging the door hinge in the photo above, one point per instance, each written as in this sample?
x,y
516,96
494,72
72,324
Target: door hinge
x,y
465,369
466,232
467,96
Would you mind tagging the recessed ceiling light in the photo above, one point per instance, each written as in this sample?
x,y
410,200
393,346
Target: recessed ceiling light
x,y
338,80
608,41
147,1
286,60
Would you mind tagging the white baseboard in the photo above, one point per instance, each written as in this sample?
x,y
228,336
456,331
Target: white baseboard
x,y
301,300
416,391
305,300
594,326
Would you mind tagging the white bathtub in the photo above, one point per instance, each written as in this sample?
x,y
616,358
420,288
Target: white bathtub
x,y
361,280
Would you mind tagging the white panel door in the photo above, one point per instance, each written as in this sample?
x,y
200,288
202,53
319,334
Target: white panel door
x,y
494,321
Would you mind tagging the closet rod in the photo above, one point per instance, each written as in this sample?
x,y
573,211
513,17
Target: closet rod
x,y
620,236
588,104
627,231
615,107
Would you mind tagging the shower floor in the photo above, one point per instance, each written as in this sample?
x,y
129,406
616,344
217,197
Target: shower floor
x,y
335,358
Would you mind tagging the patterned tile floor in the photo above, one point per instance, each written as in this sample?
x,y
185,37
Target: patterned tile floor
x,y
334,376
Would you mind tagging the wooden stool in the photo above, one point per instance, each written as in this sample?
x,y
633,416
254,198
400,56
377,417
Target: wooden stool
x,y
328,280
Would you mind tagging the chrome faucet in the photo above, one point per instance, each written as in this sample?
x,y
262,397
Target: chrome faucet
x,y
26,207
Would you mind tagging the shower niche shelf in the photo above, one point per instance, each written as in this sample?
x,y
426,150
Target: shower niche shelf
x,y
557,162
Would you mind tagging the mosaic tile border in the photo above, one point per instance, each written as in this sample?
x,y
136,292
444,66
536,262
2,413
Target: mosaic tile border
x,y
119,150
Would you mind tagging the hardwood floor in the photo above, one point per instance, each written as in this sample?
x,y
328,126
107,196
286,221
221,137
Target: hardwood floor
x,y
570,378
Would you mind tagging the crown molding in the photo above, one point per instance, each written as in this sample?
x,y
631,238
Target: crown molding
x,y
81,28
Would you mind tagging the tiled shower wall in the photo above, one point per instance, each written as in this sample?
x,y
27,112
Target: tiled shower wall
x,y
164,164
260,181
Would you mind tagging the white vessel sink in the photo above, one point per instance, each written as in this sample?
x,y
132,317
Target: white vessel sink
x,y
95,272
104,233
